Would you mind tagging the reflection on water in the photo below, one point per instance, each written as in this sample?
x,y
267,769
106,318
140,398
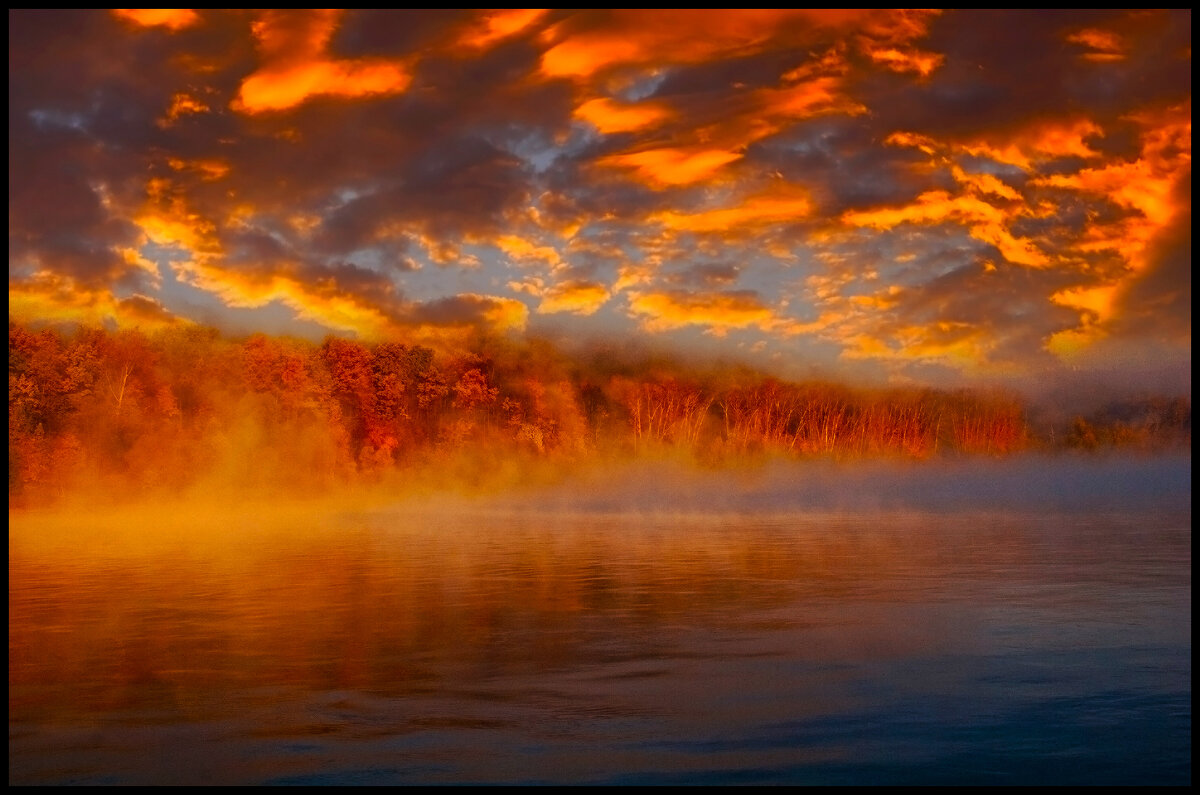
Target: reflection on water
x,y
422,645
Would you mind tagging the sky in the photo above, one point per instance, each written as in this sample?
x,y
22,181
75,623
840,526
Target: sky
x,y
954,197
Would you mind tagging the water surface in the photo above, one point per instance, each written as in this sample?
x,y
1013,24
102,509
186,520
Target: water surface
x,y
628,632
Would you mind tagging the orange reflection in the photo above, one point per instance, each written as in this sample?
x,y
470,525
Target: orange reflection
x,y
111,612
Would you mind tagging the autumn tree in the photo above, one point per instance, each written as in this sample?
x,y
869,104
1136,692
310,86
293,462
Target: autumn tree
x,y
353,387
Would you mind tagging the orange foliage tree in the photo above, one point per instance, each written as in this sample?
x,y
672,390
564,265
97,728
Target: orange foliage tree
x,y
187,406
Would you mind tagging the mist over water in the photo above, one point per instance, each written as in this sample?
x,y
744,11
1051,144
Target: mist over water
x,y
982,622
1022,484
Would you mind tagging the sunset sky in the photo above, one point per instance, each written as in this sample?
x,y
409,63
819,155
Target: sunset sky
x,y
899,196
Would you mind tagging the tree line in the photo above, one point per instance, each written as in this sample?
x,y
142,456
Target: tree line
x,y
127,412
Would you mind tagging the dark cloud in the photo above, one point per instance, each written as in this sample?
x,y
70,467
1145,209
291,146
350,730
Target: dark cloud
x,y
462,310
458,188
57,218
1157,307
386,32
844,161
1005,67
146,310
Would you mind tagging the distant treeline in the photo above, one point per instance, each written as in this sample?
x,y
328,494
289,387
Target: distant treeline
x,y
128,413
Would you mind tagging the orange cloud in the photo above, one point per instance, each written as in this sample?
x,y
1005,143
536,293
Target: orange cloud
x,y
325,302
296,65
54,298
1024,147
701,139
865,327
442,253
133,258
718,312
558,215
885,299
1096,306
985,183
872,326
368,305
608,116
1149,189
181,105
280,88
1037,143
518,248
1140,185
887,39
166,219
1017,250
498,25
673,165
1146,186
575,296
915,140
922,63
960,345
703,150
1103,45
631,275
173,18
641,36
1071,343
773,109
1097,301
205,169
983,220
754,213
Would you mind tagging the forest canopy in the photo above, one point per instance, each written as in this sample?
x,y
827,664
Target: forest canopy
x,y
123,415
